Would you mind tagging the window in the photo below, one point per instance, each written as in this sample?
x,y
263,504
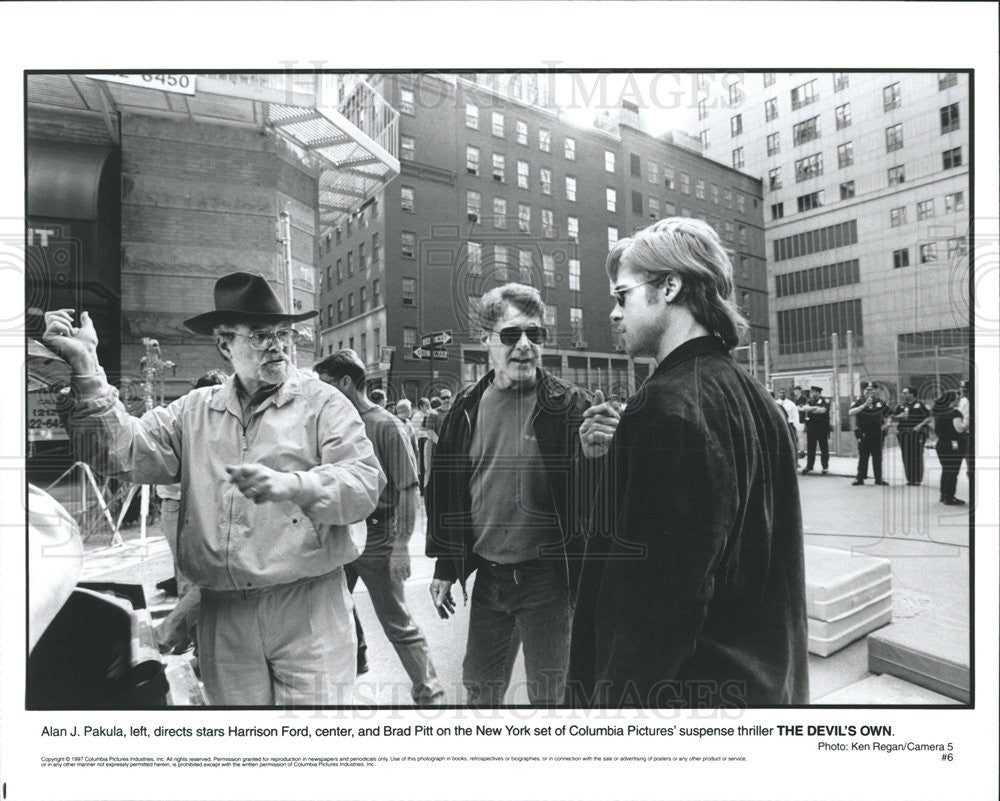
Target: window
x,y
806,330
809,167
845,154
840,81
522,132
805,131
499,212
499,168
500,262
811,201
946,80
573,228
768,79
738,158
407,148
896,175
736,125
409,287
774,179
548,269
350,263
954,202
949,118
742,229
524,262
685,183
406,102
654,208
408,244
741,203
472,160
816,241
669,209
728,198
714,189
376,296
574,275
609,161
409,341
375,249
612,236
703,137
545,179
951,158
362,257
337,232
498,123
804,95
407,198
636,202
890,97
350,305
570,187
340,310
815,279
523,171
699,188
576,322
652,172
847,190
523,218
668,177
473,205
956,247
471,116
897,216
569,148
925,209
374,208
545,140
777,211
770,109
735,94
611,199
894,137
702,109
928,252
551,316
329,314
773,144
475,258
340,271
362,300
548,224
901,258
729,228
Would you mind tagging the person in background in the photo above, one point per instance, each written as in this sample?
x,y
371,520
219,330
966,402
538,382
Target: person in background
x,y
965,407
950,427
912,419
817,413
791,411
871,419
378,397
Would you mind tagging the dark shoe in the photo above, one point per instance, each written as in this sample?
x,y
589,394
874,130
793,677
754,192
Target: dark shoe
x,y
882,483
953,502
857,482
362,662
806,470
825,471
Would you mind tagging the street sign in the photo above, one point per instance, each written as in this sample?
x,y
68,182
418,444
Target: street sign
x,y
436,338
425,353
163,82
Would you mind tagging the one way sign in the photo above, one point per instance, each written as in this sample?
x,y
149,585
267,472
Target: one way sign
x,y
436,338
427,353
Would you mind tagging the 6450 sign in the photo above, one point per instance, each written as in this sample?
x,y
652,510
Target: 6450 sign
x,y
182,83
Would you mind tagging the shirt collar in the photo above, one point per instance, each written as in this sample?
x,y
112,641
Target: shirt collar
x,y
227,396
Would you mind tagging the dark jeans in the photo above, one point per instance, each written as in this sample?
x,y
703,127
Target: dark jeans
x,y
911,446
950,454
528,604
822,438
869,445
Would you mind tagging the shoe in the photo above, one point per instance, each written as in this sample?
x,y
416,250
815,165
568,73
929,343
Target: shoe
x,y
953,502
362,662
857,482
882,483
806,470
825,471
802,454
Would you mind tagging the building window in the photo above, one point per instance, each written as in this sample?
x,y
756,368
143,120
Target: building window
x,y
928,252
947,80
500,262
804,95
805,131
654,208
768,79
807,330
890,97
840,81
773,144
949,118
777,211
957,247
741,203
896,175
475,258
340,270
350,305
699,188
609,161
473,205
551,316
574,275
340,310
702,109
409,286
362,257
742,231
635,165
472,160
845,154
499,213
736,125
472,116
569,148
897,216
925,209
523,171
545,179
738,158
770,109
375,250
842,114
847,190
524,262
703,137
954,202
727,197
545,140
548,269
901,258
362,300
499,168
408,244
407,148
668,177
809,167
576,323
951,158
612,236
636,202
407,198
685,183
497,123
523,218
570,187
811,201
735,94
573,228
350,263
409,341
376,295
548,224
774,179
652,172
522,132
728,228
406,101
611,199
714,189
894,137
816,279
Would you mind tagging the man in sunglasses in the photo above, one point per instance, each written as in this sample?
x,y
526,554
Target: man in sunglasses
x,y
696,598
507,494
277,478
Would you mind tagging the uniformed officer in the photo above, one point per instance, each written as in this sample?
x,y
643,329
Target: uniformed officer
x,y
912,420
870,415
965,407
817,412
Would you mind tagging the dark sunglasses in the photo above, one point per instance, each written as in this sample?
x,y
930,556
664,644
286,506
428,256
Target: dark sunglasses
x,y
619,294
512,335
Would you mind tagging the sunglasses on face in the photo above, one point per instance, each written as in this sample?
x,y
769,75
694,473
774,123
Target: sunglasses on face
x,y
619,293
512,335
261,340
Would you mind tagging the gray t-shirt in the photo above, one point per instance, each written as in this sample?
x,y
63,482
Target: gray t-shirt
x,y
394,452
512,508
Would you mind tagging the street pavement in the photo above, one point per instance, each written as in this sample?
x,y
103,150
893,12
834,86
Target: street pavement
x,y
926,542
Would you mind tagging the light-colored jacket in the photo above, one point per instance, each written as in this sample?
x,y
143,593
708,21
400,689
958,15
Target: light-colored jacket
x,y
226,541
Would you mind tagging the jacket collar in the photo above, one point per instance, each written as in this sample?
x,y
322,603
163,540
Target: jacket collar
x,y
699,346
226,397
547,387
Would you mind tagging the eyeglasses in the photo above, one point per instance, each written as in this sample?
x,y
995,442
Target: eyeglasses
x,y
261,340
619,293
512,335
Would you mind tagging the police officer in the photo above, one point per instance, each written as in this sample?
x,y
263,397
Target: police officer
x,y
870,415
912,420
817,412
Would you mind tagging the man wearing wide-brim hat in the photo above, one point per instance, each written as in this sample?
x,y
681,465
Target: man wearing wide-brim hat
x,y
277,477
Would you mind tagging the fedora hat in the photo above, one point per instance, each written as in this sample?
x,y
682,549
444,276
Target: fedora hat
x,y
244,298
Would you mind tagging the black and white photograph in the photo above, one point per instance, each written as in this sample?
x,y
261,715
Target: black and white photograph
x,y
530,412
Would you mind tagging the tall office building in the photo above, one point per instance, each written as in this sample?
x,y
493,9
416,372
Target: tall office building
x,y
497,185
866,186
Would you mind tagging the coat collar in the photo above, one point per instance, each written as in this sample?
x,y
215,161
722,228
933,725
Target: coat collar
x,y
226,397
547,387
699,346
